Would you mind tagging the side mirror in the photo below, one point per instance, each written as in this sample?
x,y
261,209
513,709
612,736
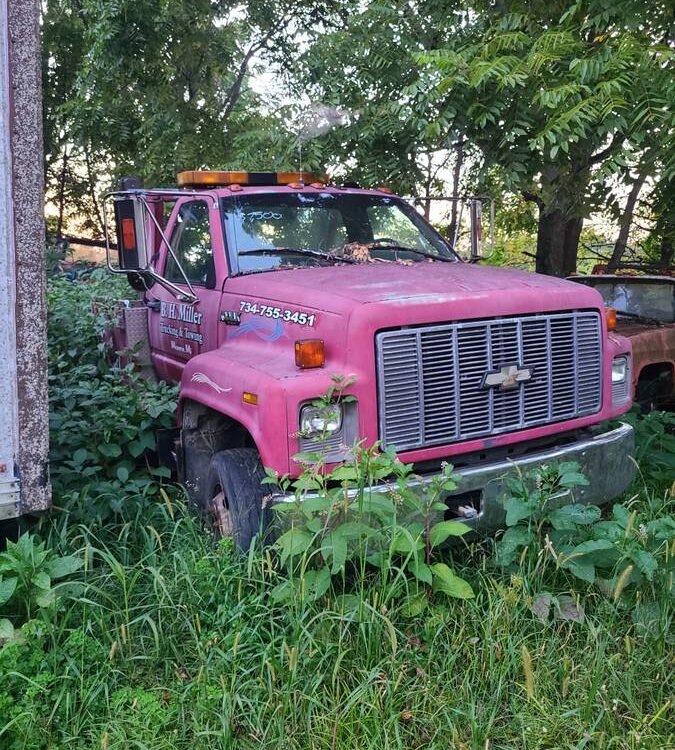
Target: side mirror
x,y
476,216
131,241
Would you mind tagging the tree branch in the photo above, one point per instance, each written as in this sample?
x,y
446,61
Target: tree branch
x,y
601,155
235,90
533,198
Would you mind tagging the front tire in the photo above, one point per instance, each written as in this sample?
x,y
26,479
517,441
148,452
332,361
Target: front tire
x,y
234,496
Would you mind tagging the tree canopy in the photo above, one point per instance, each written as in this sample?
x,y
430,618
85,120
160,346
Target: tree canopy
x,y
567,104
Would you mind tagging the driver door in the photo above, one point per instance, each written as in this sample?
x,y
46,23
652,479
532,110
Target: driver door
x,y
180,330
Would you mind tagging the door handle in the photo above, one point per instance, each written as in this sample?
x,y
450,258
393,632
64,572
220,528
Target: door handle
x,y
154,304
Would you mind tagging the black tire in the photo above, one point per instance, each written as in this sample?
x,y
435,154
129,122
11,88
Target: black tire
x,y
238,473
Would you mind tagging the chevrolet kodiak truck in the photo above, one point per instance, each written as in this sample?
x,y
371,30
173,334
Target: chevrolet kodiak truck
x,y
256,288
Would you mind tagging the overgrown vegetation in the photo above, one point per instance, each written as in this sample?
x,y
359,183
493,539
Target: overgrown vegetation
x,y
102,419
565,104
124,624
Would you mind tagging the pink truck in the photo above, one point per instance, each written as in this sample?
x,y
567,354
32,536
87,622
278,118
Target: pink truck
x,y
256,288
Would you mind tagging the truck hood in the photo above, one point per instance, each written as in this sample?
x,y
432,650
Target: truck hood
x,y
339,289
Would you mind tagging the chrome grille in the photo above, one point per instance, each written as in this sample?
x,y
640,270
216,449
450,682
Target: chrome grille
x,y
431,379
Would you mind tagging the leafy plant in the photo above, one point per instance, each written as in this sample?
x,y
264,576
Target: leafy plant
x,y
28,570
103,418
624,550
338,524
655,446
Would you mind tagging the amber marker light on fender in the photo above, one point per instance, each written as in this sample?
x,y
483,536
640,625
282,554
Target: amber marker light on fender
x,y
610,317
310,353
250,398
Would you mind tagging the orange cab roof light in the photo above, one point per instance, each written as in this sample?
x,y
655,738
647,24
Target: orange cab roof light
x,y
217,178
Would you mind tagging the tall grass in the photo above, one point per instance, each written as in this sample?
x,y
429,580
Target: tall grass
x,y
175,642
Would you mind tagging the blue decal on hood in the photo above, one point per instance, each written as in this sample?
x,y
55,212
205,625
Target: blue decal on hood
x,y
266,330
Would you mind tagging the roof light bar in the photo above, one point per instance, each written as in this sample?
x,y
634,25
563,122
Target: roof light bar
x,y
217,178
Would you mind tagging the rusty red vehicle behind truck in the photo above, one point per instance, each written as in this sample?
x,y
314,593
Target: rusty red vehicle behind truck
x,y
256,288
644,306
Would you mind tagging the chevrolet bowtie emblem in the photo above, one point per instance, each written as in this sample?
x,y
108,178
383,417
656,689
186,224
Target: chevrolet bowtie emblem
x,y
507,377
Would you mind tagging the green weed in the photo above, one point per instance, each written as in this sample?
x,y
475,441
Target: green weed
x,y
175,642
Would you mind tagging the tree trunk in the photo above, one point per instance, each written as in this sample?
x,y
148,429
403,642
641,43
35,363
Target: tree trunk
x,y
667,252
427,187
62,192
557,242
625,223
456,176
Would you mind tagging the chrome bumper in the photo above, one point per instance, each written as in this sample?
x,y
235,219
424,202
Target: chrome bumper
x,y
604,459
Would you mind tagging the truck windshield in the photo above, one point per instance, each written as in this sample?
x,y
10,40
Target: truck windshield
x,y
650,298
268,231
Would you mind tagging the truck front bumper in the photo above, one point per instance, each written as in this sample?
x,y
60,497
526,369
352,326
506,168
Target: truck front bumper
x,y
604,459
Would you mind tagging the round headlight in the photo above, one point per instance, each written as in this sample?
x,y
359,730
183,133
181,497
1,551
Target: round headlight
x,y
319,420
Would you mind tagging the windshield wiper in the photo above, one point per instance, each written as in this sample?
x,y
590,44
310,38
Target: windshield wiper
x,y
297,251
402,248
642,318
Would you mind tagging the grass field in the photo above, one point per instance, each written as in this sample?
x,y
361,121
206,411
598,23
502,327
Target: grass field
x,y
164,638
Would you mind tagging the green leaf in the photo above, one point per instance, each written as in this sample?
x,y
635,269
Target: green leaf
x,y
573,515
6,630
507,548
135,447
404,542
337,547
663,529
122,474
444,529
315,583
7,588
41,580
646,562
450,584
581,567
315,505
621,514
294,542
314,525
347,603
343,473
572,479
647,617
517,510
63,566
110,450
415,605
282,592
80,456
381,505
421,571
354,530
45,598
597,549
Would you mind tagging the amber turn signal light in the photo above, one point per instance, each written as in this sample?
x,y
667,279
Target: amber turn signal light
x,y
309,353
610,317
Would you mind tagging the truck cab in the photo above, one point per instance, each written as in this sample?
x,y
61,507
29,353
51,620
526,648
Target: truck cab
x,y
257,289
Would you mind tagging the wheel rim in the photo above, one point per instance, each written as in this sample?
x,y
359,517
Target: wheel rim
x,y
220,513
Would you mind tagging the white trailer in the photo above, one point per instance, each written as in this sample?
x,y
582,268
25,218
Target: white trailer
x,y
24,472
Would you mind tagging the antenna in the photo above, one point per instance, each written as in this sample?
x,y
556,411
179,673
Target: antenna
x,y
300,154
